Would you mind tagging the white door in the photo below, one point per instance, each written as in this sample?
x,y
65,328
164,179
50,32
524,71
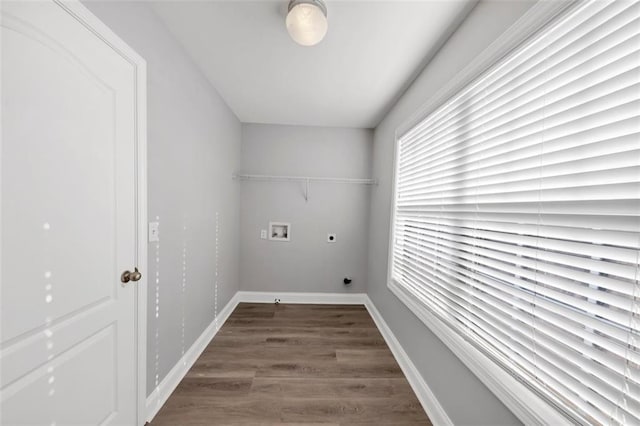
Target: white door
x,y
68,324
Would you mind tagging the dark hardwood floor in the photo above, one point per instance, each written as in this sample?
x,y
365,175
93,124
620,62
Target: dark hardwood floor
x,y
295,364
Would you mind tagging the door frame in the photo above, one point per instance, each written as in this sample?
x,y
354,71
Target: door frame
x,y
78,11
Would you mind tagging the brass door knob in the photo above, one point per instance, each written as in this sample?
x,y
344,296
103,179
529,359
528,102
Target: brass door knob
x,y
130,276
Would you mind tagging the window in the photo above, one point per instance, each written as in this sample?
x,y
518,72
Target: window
x,y
516,218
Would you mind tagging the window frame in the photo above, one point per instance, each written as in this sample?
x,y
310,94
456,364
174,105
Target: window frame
x,y
525,404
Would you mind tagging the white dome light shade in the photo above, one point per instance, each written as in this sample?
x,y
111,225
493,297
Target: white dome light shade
x,y
307,21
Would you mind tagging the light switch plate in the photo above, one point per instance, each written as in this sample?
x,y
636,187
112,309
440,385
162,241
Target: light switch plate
x,y
154,231
263,234
331,238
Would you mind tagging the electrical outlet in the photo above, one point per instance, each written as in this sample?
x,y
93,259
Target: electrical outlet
x,y
154,231
263,234
331,238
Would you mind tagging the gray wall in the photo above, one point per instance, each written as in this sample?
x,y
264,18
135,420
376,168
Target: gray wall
x,y
465,399
307,263
193,148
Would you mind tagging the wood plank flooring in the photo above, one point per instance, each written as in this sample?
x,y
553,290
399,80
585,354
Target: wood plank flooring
x,y
295,364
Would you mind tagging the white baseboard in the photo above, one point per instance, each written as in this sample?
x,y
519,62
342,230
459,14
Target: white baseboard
x,y
430,404
310,298
161,393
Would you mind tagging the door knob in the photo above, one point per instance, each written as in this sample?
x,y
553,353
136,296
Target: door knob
x,y
130,276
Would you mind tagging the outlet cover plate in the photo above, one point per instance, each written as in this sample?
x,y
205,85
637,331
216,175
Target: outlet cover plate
x,y
154,231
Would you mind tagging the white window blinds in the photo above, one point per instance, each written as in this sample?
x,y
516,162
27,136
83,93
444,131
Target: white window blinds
x,y
516,218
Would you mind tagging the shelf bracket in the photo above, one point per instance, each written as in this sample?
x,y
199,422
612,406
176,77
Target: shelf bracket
x,y
306,191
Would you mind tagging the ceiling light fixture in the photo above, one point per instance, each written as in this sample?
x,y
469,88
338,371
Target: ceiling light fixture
x,y
307,21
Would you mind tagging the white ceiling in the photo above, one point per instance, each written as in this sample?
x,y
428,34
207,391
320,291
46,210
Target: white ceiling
x,y
372,51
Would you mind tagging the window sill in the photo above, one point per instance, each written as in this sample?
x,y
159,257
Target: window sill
x,y
525,404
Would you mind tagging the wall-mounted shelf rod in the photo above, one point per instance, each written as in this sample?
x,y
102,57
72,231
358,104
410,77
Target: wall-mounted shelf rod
x,y
276,178
305,179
